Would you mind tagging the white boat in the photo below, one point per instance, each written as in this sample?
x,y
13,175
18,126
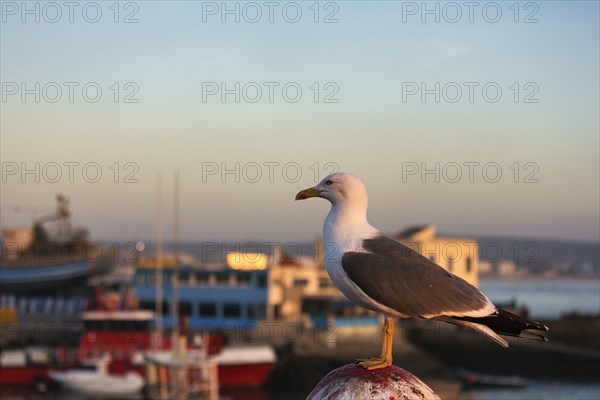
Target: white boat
x,y
98,381
237,366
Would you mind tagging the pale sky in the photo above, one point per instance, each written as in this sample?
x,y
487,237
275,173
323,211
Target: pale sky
x,y
542,133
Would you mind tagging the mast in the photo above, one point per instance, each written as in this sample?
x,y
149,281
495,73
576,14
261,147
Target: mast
x,y
159,263
175,277
179,377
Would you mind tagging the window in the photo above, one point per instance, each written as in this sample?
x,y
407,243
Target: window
x,y
185,308
202,278
208,310
184,277
232,311
243,278
300,282
261,311
151,306
147,305
324,283
261,281
222,278
250,311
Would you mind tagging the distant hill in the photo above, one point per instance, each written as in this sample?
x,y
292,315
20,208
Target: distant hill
x,y
539,252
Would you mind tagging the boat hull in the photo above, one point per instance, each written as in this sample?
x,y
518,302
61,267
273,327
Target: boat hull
x,y
244,375
24,375
94,383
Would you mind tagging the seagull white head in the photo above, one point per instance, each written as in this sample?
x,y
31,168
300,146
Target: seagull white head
x,y
340,189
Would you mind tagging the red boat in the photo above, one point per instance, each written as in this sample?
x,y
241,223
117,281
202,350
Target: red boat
x,y
244,366
25,367
126,337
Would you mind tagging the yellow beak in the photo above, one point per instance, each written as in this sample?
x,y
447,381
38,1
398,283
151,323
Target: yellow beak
x,y
306,193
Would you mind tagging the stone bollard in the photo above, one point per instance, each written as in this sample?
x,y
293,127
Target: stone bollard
x,y
351,382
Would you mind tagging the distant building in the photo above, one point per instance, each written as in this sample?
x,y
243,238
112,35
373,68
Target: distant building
x,y
506,269
294,284
245,288
485,268
212,295
14,241
458,255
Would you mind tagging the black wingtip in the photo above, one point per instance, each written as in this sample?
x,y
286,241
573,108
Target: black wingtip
x,y
508,324
527,334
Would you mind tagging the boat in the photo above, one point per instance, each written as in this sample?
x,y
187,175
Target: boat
x,y
98,381
181,373
126,335
114,313
237,366
41,278
244,366
215,298
44,271
25,367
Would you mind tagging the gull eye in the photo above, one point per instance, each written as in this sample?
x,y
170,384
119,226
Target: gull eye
x,y
329,182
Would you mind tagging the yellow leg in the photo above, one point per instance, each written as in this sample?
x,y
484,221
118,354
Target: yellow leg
x,y
385,359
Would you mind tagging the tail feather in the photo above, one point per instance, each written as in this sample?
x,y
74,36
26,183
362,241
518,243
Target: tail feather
x,y
502,322
531,335
478,327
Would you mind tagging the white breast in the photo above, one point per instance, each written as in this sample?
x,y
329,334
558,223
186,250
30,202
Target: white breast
x,y
339,238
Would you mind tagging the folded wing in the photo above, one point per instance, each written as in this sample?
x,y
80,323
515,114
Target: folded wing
x,y
410,283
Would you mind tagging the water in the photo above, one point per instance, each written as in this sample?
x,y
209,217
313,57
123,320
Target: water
x,y
542,390
547,299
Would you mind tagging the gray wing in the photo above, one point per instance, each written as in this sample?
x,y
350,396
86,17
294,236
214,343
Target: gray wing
x,y
406,281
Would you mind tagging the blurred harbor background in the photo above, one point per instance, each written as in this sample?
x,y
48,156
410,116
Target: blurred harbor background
x,y
262,320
